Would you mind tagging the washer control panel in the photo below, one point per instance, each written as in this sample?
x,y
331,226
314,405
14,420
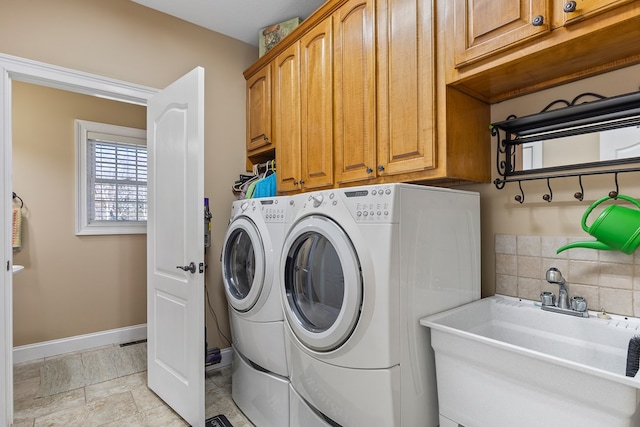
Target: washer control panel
x,y
367,204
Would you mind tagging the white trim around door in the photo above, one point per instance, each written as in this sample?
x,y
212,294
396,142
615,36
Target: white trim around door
x,y
26,70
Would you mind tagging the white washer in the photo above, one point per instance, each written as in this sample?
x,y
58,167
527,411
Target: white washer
x,y
250,255
360,266
262,396
301,414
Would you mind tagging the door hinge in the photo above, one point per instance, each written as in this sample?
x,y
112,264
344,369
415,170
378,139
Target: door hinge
x,y
8,265
203,266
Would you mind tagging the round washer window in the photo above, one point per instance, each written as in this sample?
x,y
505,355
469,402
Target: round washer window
x,y
322,283
243,264
316,279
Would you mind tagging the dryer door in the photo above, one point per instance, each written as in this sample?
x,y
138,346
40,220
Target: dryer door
x,y
322,290
243,264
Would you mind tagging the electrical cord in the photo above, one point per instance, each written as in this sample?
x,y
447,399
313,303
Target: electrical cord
x,y
215,317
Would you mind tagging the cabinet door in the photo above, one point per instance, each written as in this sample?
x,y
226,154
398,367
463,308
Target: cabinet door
x,y
406,97
259,109
570,12
485,27
286,116
316,100
354,91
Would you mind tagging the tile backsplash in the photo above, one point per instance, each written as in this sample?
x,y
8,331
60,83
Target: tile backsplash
x,y
609,280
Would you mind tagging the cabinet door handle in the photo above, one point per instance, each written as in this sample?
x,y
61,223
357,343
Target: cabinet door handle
x,y
301,182
369,170
380,168
570,6
538,21
295,182
266,139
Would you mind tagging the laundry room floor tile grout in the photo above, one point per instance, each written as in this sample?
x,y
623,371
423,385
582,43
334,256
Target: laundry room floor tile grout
x,y
106,386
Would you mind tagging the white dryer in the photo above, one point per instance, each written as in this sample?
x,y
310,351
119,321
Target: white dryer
x,y
250,255
360,266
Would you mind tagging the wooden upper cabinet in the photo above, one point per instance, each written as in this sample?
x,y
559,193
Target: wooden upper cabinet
x,y
493,52
354,101
286,118
316,107
302,112
569,12
354,92
482,28
259,110
406,80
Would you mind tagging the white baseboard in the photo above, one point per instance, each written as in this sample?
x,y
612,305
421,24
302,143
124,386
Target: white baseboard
x,y
26,353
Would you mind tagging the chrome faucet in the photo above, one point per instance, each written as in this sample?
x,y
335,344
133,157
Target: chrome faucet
x,y
554,276
578,305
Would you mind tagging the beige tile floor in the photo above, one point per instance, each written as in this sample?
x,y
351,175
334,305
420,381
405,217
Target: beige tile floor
x,y
106,386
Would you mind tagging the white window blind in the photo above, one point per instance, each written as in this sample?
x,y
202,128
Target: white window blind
x,y
117,181
111,179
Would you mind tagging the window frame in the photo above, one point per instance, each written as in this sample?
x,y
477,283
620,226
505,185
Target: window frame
x,y
127,135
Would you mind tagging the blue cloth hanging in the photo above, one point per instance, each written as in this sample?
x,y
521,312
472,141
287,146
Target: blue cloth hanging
x,y
265,187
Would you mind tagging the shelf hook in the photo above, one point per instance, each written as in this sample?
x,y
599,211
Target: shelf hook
x,y
614,194
549,196
580,194
520,197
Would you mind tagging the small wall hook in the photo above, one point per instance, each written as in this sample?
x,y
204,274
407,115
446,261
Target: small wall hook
x,y
520,197
580,194
15,196
549,196
614,194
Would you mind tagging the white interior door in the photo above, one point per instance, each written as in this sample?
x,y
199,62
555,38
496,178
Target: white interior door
x,y
531,155
623,143
175,230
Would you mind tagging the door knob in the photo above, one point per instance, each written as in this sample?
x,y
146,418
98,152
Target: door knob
x,y
190,268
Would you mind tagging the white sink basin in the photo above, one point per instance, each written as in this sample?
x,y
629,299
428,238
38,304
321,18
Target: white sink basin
x,y
504,362
17,268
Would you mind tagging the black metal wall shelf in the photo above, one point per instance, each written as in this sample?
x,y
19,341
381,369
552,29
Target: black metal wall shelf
x,y
578,195
573,119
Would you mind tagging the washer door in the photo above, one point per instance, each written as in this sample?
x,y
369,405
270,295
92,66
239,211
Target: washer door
x,y
243,264
322,283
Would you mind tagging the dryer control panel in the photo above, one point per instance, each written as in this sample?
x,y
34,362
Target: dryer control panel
x,y
366,204
273,210
371,204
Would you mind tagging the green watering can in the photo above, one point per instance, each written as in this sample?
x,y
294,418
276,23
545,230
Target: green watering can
x,y
616,228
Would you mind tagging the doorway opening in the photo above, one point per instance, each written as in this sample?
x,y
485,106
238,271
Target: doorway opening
x,y
14,69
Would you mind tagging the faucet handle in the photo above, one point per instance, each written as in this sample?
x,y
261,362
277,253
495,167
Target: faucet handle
x,y
578,303
548,298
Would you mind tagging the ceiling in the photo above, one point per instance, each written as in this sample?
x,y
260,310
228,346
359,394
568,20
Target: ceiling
x,y
240,19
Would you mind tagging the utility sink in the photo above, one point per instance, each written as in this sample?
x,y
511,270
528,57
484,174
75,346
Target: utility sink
x,y
503,362
17,269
